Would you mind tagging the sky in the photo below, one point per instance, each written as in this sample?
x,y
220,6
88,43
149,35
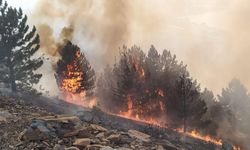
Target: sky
x,y
211,37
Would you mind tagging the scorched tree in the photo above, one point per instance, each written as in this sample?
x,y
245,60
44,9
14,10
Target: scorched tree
x,y
18,45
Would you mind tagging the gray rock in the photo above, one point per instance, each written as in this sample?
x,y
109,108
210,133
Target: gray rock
x,y
83,142
123,148
5,116
139,135
169,146
159,147
36,132
227,146
107,148
114,137
59,147
72,148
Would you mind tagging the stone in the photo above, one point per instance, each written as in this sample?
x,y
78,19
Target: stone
x,y
36,132
58,147
95,141
98,128
61,118
83,142
32,135
139,135
123,148
85,116
114,137
227,145
83,133
72,148
60,142
100,135
107,148
169,146
125,139
5,116
71,133
95,146
159,147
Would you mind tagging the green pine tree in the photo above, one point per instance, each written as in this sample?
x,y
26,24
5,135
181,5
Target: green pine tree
x,y
18,45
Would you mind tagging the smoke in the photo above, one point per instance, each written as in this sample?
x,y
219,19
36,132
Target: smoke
x,y
48,42
100,26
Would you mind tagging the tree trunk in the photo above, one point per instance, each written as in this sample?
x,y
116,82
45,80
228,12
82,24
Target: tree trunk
x,y
185,117
12,80
185,109
12,77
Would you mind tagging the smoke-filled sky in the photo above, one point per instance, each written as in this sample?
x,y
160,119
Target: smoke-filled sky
x,y
211,37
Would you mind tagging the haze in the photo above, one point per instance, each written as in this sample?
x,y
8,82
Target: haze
x,y
211,37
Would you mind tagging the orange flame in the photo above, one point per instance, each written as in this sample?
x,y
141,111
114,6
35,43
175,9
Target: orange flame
x,y
160,92
206,138
236,148
139,69
134,113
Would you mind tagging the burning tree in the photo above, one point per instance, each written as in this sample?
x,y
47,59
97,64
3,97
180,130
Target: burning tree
x,y
190,106
74,75
129,75
18,45
144,87
133,90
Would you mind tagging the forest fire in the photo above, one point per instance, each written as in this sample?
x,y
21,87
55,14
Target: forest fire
x,y
135,93
147,104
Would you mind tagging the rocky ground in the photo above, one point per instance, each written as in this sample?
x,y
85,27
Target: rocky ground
x,y
26,127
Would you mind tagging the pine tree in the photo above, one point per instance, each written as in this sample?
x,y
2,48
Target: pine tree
x,y
190,107
235,101
153,71
73,65
18,46
171,70
129,74
104,91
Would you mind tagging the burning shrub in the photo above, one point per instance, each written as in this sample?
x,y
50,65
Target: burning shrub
x,y
74,75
